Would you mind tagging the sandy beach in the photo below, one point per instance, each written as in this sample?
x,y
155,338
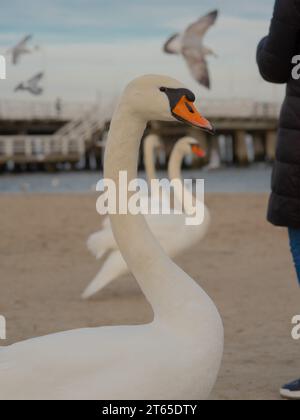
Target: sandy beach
x,y
244,264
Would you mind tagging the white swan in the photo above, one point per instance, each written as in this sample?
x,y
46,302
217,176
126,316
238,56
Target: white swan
x,y
166,228
178,355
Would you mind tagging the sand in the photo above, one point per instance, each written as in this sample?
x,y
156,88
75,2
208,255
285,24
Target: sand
x,y
244,265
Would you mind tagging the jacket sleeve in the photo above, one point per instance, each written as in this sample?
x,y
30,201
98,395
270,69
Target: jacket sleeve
x,y
275,51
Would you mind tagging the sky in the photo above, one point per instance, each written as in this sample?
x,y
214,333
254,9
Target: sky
x,y
90,49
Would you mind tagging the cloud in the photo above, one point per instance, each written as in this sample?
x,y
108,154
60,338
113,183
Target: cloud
x,y
83,69
106,19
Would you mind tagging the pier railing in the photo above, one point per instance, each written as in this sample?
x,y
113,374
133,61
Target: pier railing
x,y
238,108
67,144
23,110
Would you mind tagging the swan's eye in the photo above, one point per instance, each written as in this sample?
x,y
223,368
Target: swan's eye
x,y
163,89
190,109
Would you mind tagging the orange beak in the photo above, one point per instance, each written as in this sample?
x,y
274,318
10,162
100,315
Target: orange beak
x,y
198,151
186,111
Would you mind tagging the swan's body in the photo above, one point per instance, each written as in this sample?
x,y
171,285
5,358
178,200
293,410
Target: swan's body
x,y
178,355
166,228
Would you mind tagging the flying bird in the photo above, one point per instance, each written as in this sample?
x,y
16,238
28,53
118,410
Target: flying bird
x,y
190,45
20,49
32,85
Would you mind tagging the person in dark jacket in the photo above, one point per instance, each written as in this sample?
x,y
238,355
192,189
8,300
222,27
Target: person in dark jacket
x,y
276,60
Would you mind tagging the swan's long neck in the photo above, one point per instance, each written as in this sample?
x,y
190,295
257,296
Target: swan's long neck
x,y
180,190
169,290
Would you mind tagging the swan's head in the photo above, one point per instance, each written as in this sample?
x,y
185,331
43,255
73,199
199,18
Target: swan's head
x,y
162,98
188,146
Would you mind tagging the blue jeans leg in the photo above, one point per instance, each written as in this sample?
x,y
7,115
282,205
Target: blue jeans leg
x,y
294,235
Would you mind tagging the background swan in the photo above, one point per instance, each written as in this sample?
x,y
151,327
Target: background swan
x,y
130,362
166,228
152,144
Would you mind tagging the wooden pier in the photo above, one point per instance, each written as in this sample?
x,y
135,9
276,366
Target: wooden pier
x,y
246,132
49,139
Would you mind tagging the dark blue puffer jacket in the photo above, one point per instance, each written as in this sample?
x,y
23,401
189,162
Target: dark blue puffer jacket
x,y
274,57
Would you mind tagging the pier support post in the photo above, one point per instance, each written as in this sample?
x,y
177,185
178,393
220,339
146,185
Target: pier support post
x,y
9,148
28,148
271,138
214,153
240,148
46,147
258,145
64,146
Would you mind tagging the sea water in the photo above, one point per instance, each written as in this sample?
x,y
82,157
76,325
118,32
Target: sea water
x,y
254,179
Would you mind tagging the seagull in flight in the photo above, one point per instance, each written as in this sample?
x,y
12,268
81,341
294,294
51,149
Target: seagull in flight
x,y
190,44
32,85
20,49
